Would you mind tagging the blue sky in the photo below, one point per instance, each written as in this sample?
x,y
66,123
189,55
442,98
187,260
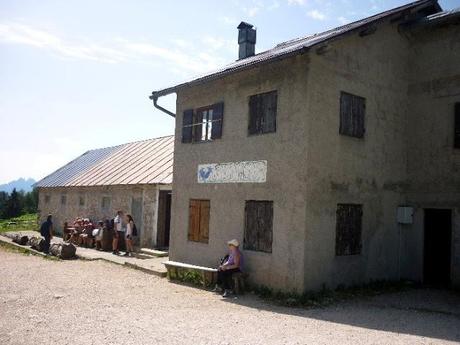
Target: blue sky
x,y
76,74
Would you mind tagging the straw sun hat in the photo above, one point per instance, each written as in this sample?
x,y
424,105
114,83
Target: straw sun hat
x,y
234,243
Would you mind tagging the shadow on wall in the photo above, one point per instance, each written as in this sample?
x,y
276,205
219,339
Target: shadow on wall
x,y
421,312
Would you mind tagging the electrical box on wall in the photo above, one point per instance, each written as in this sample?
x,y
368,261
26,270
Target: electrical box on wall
x,y
405,215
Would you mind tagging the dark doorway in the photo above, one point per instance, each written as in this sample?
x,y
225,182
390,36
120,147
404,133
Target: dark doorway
x,y
164,219
437,254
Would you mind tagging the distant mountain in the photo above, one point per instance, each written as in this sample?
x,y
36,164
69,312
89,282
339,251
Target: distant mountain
x,y
19,184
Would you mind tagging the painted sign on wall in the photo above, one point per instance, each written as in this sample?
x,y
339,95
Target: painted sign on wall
x,y
233,172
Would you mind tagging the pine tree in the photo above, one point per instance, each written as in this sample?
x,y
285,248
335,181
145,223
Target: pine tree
x,y
13,205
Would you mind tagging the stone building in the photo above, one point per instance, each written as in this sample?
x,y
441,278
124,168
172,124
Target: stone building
x,y
333,158
134,177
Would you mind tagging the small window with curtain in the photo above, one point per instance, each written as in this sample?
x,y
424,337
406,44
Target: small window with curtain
x,y
457,126
348,229
198,227
203,124
262,113
352,113
258,226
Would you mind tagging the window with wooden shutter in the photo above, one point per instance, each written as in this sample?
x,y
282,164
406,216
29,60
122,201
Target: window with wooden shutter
x,y
352,115
348,229
187,126
203,124
262,113
198,227
457,126
258,227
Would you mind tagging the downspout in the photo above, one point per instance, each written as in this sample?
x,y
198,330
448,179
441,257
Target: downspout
x,y
154,97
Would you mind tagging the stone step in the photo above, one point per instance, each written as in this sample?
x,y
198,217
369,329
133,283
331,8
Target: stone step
x,y
154,252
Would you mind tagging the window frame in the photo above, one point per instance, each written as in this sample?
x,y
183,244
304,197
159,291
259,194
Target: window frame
x,y
354,246
261,130
199,236
344,119
47,199
81,200
106,207
217,116
250,244
63,199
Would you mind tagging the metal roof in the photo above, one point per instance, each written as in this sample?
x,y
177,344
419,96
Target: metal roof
x,y
299,45
142,162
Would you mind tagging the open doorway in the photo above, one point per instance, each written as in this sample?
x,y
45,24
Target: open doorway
x,y
164,219
437,247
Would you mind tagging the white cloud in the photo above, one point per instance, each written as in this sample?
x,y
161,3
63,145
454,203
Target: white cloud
x,y
296,2
180,54
315,14
343,20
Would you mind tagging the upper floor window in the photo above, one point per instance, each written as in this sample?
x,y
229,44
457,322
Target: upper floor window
x,y
352,113
106,202
63,199
81,200
47,199
203,124
457,126
262,113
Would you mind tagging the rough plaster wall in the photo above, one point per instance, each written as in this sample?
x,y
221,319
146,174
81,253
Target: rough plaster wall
x,y
433,163
121,199
285,154
369,171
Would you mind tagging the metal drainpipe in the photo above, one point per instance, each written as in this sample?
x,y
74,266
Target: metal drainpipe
x,y
155,97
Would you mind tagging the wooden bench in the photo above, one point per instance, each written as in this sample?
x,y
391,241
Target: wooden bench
x,y
239,282
176,271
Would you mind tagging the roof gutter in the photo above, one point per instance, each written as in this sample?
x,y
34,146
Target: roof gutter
x,y
157,94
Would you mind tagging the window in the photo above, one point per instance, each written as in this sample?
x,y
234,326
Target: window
x,y
457,126
63,199
204,124
348,229
352,111
262,113
47,199
258,226
105,204
198,227
81,201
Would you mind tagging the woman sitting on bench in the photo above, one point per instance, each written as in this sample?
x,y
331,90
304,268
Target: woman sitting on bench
x,y
232,263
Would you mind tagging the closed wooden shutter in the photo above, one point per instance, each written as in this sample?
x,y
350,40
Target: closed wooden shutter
x,y
198,128
194,221
457,126
262,113
348,229
352,115
218,120
199,214
187,128
258,232
205,208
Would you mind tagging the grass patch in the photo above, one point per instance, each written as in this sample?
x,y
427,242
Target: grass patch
x,y
326,297
24,222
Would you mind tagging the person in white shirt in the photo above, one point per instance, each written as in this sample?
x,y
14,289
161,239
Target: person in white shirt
x,y
130,232
118,231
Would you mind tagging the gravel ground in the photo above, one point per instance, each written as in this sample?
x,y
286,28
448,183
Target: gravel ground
x,y
78,302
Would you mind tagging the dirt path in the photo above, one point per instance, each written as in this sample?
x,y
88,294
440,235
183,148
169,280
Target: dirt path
x,y
78,302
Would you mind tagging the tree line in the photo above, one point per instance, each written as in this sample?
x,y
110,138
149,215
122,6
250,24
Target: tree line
x,y
18,203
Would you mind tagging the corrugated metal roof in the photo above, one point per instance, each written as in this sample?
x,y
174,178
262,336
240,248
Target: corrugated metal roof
x,y
142,162
299,45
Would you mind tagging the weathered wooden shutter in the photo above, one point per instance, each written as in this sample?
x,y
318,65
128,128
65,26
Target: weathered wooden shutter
x,y
194,221
254,118
218,120
457,126
348,229
258,232
205,208
262,113
270,104
352,115
187,128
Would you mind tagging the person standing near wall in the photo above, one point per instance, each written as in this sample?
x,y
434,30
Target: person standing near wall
x,y
131,231
119,231
46,230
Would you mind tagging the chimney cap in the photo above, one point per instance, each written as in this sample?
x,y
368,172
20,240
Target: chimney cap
x,y
244,25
